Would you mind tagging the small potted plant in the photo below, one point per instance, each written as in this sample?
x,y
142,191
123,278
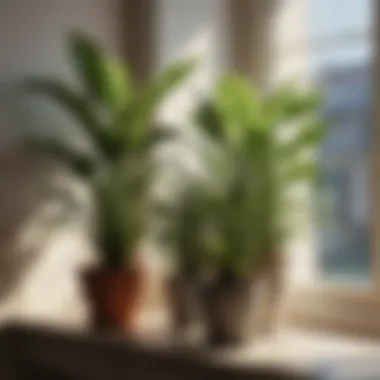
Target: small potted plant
x,y
182,218
265,143
116,118
181,238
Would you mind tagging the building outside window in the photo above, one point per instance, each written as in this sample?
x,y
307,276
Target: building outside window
x,y
329,43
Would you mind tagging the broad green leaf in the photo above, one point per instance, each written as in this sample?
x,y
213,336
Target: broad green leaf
x,y
239,105
119,86
160,135
208,118
290,104
82,164
135,121
310,135
89,62
301,172
103,79
167,81
133,124
121,214
71,102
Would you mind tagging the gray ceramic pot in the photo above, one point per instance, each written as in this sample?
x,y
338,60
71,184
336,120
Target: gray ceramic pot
x,y
228,311
184,302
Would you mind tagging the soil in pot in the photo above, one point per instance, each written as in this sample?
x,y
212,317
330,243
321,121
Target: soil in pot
x,y
228,311
184,303
114,297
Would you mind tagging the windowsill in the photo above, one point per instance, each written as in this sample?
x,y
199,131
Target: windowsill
x,y
303,352
288,354
353,312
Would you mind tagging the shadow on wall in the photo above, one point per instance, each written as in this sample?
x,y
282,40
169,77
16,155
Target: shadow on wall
x,y
32,204
35,199
24,182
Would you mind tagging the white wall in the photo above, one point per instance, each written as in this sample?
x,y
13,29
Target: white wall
x,y
32,33
32,40
195,28
291,46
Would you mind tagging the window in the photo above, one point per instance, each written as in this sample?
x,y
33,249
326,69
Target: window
x,y
343,70
330,43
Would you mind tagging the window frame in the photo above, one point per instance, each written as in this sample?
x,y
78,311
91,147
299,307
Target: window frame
x,y
343,307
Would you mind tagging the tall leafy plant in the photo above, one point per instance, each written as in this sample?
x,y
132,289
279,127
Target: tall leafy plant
x,y
116,116
265,146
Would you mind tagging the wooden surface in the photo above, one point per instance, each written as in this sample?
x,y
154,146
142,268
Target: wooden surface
x,y
64,354
58,354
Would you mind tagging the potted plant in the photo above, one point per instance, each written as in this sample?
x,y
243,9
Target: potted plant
x,y
265,144
181,219
181,238
116,117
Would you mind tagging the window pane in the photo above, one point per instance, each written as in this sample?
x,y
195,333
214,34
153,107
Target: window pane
x,y
344,73
335,17
337,58
345,248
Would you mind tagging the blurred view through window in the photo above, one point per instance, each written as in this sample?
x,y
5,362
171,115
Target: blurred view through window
x,y
341,57
330,43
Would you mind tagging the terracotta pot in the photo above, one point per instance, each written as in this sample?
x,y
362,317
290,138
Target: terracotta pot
x,y
184,302
228,311
114,296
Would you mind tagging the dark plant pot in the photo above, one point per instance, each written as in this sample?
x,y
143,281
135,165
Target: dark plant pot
x,y
184,302
228,311
114,297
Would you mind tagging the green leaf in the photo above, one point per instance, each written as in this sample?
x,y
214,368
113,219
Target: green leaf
x,y
89,62
78,162
239,105
310,136
208,118
71,102
301,172
289,104
134,122
132,125
119,89
103,79
167,81
160,135
120,200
